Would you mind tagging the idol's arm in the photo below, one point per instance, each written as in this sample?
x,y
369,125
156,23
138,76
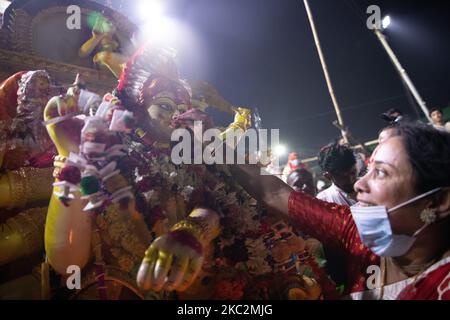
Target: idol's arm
x,y
67,234
68,228
88,47
22,235
24,187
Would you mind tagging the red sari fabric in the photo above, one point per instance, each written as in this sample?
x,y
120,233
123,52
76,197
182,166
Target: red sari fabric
x,y
333,225
434,286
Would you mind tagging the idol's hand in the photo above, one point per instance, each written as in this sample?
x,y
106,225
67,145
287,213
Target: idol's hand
x,y
65,134
173,261
242,121
103,26
242,118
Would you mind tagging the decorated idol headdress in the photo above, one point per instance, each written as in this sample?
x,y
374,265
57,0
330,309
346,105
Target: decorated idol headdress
x,y
151,77
151,74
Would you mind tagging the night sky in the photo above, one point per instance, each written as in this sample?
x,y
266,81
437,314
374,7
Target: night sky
x,y
260,53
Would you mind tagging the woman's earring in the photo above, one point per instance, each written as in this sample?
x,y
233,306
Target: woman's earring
x,y
428,215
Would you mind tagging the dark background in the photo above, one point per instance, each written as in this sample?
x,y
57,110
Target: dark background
x,y
260,53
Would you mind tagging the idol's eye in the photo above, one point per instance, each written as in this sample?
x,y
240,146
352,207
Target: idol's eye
x,y
166,107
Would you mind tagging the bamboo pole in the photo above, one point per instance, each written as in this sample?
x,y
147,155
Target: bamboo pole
x,y
403,73
325,71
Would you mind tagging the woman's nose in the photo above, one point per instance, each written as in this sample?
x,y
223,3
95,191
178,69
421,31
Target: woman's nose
x,y
361,184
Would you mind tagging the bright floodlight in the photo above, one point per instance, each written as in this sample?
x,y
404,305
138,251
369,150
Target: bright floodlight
x,y
386,22
155,24
279,150
151,9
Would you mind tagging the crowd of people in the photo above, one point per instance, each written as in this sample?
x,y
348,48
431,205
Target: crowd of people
x,y
340,164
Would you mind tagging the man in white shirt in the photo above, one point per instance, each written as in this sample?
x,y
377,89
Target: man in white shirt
x,y
338,164
438,120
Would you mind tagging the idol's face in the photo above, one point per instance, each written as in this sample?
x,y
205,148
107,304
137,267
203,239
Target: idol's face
x,y
163,100
41,86
161,113
162,110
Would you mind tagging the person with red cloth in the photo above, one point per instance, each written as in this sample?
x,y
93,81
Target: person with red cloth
x,y
396,239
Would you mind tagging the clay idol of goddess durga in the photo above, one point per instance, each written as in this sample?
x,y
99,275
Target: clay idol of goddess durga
x,y
140,226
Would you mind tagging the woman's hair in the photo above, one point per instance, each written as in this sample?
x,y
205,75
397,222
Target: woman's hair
x,y
392,125
428,150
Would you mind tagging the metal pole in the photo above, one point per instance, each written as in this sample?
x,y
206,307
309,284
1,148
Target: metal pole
x,y
402,73
325,71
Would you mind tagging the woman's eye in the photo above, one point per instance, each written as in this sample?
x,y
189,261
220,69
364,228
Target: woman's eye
x,y
380,173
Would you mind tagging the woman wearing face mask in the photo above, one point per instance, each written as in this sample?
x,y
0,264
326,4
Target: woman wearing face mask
x,y
395,240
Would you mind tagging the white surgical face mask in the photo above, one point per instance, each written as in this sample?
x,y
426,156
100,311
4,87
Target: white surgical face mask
x,y
375,230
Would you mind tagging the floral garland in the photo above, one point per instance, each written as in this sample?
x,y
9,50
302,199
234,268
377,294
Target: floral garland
x,y
243,254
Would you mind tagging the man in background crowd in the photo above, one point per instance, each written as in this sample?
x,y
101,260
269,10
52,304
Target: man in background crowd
x,y
293,163
437,118
338,165
393,115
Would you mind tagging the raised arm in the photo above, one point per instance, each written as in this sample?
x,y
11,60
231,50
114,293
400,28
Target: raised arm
x,y
68,228
330,223
267,189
